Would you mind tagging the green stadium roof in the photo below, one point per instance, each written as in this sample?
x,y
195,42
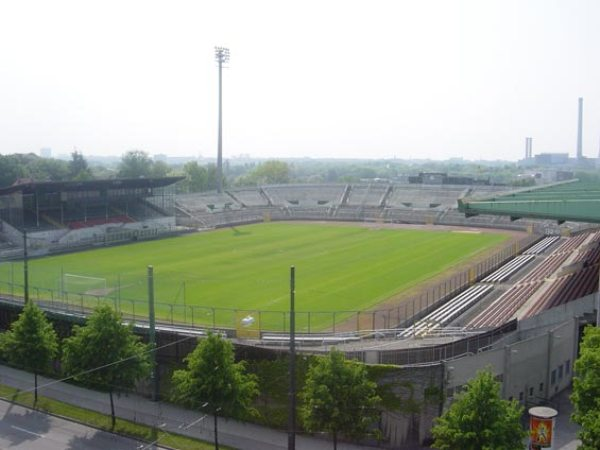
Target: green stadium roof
x,y
576,201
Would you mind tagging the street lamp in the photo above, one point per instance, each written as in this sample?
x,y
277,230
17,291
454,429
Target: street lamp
x,y
25,269
292,368
222,56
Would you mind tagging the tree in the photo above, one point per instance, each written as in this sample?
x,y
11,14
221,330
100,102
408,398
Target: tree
x,y
586,389
196,177
135,164
78,167
590,431
10,170
31,342
339,398
480,419
47,169
106,355
269,172
213,382
159,169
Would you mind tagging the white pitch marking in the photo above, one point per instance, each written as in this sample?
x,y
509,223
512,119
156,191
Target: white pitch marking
x,y
26,431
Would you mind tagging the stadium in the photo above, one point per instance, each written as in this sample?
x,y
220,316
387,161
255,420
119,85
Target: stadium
x,y
389,273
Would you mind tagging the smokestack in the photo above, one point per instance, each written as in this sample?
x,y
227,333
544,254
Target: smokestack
x,y
580,130
528,150
530,147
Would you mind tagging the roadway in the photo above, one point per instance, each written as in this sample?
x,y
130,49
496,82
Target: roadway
x,y
233,433
24,428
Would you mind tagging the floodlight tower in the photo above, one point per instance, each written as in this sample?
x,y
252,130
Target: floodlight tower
x,y
222,56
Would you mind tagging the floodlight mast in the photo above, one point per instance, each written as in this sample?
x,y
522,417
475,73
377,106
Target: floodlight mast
x,y
222,56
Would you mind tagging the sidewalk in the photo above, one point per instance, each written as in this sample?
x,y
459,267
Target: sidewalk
x,y
566,431
167,416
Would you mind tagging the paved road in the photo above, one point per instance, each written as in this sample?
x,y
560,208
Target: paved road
x,y
169,417
23,428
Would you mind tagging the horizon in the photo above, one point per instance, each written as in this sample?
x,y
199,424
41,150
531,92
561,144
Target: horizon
x,y
341,80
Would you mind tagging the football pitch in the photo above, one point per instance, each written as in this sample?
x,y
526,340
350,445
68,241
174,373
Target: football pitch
x,y
339,267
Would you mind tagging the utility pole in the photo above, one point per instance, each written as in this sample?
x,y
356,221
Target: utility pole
x,y
292,394
25,269
222,56
152,334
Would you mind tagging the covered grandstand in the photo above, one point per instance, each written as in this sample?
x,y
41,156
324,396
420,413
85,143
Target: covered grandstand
x,y
57,214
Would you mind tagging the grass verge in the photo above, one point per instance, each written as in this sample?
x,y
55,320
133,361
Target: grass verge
x,y
103,422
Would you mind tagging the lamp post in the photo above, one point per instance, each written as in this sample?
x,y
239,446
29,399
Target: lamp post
x,y
222,56
25,269
292,394
152,334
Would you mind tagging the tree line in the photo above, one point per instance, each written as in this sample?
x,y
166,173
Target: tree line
x,y
137,164
105,355
338,397
199,177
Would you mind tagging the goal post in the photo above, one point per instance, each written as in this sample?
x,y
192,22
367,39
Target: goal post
x,y
71,283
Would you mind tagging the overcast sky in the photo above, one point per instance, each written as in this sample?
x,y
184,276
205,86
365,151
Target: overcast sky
x,y
358,79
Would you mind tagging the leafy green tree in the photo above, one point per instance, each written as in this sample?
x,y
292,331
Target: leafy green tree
x,y
11,169
160,169
590,431
31,342
106,355
196,177
135,164
586,389
199,178
47,169
339,398
213,382
78,167
269,172
479,419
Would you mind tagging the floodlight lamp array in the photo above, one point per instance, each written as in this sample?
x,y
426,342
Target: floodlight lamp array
x,y
221,54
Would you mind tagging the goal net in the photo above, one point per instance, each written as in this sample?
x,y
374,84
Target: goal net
x,y
82,284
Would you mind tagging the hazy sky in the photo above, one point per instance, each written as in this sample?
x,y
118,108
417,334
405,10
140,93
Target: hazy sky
x,y
361,79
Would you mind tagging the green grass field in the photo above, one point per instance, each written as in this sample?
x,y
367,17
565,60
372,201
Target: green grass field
x,y
339,267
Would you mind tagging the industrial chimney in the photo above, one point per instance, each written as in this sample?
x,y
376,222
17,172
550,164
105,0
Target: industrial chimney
x,y
580,131
528,151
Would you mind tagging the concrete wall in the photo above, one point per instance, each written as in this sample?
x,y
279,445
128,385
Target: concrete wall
x,y
532,370
419,390
11,234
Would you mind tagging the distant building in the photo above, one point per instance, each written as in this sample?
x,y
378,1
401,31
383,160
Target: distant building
x,y
46,152
437,178
551,159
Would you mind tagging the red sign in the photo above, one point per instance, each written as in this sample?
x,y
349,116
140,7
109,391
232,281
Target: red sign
x,y
541,432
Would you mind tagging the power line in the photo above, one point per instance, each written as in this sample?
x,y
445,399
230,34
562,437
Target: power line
x,y
106,365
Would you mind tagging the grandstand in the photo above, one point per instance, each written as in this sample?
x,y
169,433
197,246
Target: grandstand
x,y
315,195
79,213
372,202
